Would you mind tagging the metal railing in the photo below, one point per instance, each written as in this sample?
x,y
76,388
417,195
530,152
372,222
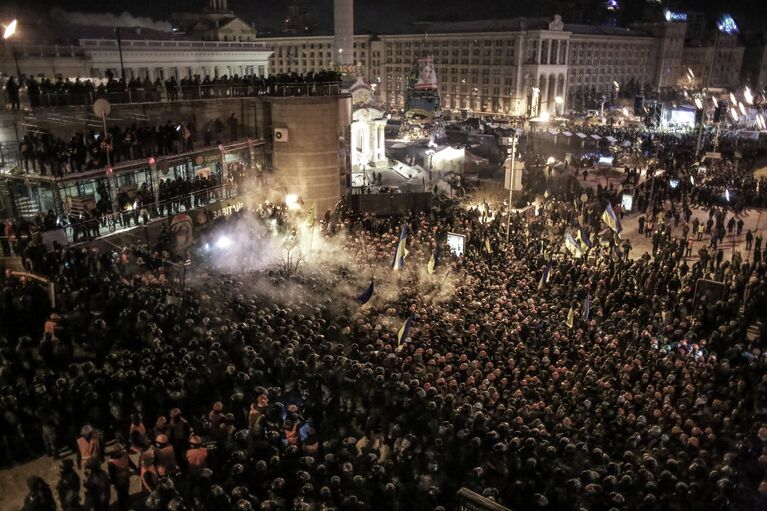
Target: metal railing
x,y
86,229
157,94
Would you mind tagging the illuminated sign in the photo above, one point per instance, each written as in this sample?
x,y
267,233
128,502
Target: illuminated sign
x,y
727,25
674,16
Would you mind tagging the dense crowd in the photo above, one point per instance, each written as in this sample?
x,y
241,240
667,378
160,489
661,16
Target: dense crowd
x,y
45,92
44,153
252,391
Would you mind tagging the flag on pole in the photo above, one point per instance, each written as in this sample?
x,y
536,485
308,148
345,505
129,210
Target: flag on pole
x,y
365,296
545,277
572,246
433,261
488,247
586,307
311,216
570,318
403,332
608,217
583,234
398,260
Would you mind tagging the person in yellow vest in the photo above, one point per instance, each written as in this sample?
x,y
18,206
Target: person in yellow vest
x,y
88,446
120,467
196,456
164,456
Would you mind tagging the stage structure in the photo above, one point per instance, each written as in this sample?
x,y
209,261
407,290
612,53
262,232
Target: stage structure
x,y
423,107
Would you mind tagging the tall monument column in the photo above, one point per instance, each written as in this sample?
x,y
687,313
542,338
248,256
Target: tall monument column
x,y
343,16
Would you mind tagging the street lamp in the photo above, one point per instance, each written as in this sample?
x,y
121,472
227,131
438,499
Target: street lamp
x,y
8,32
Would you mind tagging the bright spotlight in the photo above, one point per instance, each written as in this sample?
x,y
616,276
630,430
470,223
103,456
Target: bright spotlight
x,y
291,201
223,242
10,29
727,194
749,97
545,117
699,103
551,160
732,98
742,108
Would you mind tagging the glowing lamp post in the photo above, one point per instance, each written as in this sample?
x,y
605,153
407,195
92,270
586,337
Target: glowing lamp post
x,y
8,32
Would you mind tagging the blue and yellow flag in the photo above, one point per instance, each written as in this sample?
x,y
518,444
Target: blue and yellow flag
x,y
570,318
586,308
583,234
488,247
403,332
400,251
572,246
545,277
433,261
365,296
311,216
611,220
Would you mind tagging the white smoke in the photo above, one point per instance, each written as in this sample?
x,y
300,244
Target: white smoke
x,y
125,19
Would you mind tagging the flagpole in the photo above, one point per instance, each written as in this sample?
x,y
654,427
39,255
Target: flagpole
x,y
511,184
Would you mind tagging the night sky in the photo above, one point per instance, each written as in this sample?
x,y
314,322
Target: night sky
x,y
383,15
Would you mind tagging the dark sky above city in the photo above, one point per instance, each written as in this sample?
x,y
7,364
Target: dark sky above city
x,y
389,15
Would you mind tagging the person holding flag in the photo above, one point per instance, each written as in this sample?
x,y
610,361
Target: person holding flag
x,y
433,261
545,277
403,332
400,252
583,235
572,246
612,221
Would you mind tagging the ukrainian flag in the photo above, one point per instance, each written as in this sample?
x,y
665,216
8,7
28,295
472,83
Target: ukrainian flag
x,y
572,246
398,260
608,217
583,234
570,318
311,216
433,261
403,332
365,296
545,277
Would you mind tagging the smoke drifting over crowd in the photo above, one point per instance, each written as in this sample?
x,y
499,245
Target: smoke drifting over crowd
x,y
124,19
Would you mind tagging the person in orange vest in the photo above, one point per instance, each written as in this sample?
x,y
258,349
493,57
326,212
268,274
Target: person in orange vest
x,y
196,456
216,415
120,467
137,434
164,456
179,434
50,324
88,446
148,472
290,428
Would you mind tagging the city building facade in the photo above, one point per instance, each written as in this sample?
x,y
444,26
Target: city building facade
x,y
521,66
714,64
141,58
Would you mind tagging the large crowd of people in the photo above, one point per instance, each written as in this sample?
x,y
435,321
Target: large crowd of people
x,y
261,390
47,92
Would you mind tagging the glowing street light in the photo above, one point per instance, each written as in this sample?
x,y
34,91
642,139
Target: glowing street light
x,y
742,108
558,100
10,29
551,160
732,99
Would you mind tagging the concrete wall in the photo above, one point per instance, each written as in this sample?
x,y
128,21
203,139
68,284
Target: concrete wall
x,y
311,162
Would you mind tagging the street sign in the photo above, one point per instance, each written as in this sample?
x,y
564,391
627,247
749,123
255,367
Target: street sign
x,y
713,156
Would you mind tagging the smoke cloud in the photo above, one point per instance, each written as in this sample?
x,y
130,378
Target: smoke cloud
x,y
125,19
